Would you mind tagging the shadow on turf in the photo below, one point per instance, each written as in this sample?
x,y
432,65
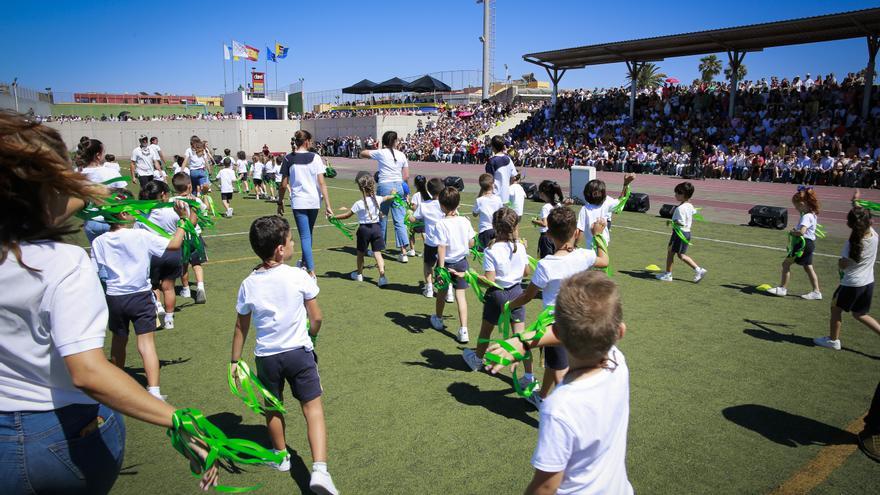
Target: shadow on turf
x,y
231,424
140,375
496,401
745,289
645,274
786,428
436,359
764,332
417,323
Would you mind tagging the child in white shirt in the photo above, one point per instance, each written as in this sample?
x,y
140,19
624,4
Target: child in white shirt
x,y
551,193
110,162
517,198
420,195
807,204
430,213
599,205
485,206
242,171
455,236
227,177
282,302
681,234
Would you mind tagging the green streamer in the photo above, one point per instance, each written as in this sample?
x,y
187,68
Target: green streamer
x,y
474,279
621,202
329,171
699,216
476,251
252,390
868,205
399,201
442,279
121,178
676,228
796,245
191,423
210,201
820,231
603,244
539,327
345,229
533,263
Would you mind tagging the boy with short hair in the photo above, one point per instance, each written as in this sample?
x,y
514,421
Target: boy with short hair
x,y
430,213
282,302
122,257
227,177
183,187
110,161
681,234
455,236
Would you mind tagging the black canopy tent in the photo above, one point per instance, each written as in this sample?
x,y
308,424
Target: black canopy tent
x,y
393,85
428,84
363,87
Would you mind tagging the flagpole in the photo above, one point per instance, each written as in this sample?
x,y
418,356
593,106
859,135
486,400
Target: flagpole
x,y
276,65
224,68
232,64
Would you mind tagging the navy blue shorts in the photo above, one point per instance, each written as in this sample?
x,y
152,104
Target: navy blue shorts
x,y
196,258
298,367
545,246
555,357
369,236
430,256
855,299
165,267
138,309
494,305
486,237
459,266
677,245
806,259
226,196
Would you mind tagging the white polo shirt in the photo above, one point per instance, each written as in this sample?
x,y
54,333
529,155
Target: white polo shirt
x,y
509,266
455,233
390,166
485,207
303,168
367,213
143,161
430,213
553,269
124,256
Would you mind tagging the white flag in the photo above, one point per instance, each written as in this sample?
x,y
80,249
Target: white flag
x,y
239,49
226,52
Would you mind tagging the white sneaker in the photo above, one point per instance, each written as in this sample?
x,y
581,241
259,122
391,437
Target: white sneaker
x,y
383,281
357,277
450,295
437,322
463,337
535,400
160,309
322,484
228,212
428,291
778,291
201,297
283,466
184,292
161,397
402,258
169,324
812,296
470,357
664,277
699,273
412,252
827,343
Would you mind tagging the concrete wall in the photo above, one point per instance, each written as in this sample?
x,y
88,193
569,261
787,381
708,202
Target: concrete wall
x,y
375,126
120,138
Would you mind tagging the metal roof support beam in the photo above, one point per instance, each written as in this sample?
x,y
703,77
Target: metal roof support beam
x,y
735,59
634,69
873,45
555,77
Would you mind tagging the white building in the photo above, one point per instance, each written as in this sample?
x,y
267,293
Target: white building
x,y
272,106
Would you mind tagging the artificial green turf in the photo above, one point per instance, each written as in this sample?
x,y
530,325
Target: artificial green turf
x,y
728,395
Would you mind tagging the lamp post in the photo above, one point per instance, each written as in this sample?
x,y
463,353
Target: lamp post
x,y
15,92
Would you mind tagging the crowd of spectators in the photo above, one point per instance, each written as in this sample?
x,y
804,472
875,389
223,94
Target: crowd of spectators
x,y
139,118
799,130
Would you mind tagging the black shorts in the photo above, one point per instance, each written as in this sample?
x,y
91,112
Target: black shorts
x,y
257,182
269,177
555,357
165,267
855,299
369,236
677,245
430,256
197,258
226,196
418,230
138,308
494,305
545,246
459,266
485,237
242,176
806,259
143,180
298,367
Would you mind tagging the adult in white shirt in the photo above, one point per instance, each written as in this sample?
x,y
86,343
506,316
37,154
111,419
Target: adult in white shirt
x,y
52,362
393,173
92,154
303,171
142,164
197,159
500,165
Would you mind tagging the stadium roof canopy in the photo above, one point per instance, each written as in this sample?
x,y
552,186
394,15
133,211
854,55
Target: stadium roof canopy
x,y
754,37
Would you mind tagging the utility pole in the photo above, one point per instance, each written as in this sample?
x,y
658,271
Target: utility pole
x,y
487,40
15,92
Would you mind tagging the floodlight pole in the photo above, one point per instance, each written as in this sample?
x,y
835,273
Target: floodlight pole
x,y
634,69
487,41
873,45
734,60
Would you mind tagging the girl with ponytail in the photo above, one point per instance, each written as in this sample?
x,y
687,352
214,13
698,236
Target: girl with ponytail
x,y
90,156
393,173
551,193
856,287
369,234
806,202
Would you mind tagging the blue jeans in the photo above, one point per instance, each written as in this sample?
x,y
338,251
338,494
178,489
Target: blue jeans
x,y
93,229
398,213
198,177
305,223
57,451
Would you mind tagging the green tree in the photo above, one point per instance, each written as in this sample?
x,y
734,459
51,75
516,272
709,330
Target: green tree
x,y
710,66
740,72
649,76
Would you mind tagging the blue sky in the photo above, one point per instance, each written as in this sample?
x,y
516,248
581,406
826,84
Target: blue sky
x,y
176,47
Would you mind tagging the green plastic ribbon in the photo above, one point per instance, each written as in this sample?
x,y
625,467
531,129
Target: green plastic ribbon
x,y
252,390
820,231
699,216
399,201
603,244
476,251
676,228
621,202
210,201
539,327
192,243
868,205
442,279
221,449
412,224
329,171
121,178
533,263
474,279
796,245
345,229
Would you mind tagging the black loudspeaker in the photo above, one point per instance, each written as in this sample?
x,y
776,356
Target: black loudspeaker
x,y
531,190
456,182
771,217
666,211
639,202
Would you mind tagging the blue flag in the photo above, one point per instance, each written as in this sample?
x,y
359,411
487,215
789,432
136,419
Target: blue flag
x,y
270,55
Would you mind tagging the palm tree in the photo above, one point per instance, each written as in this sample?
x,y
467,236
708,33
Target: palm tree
x,y
710,66
649,76
740,72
